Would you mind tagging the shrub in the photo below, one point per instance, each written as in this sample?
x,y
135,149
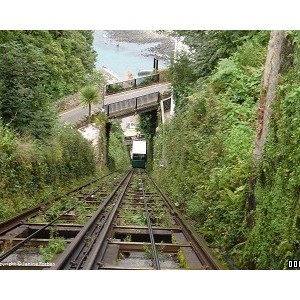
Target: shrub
x,y
30,166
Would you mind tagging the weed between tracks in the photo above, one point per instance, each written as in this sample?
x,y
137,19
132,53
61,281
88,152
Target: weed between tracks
x,y
158,212
55,246
178,258
162,256
181,260
78,215
132,213
132,217
127,238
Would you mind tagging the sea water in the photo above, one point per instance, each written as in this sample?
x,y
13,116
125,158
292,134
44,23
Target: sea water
x,y
122,57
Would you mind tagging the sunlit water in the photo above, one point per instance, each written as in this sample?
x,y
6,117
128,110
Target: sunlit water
x,y
122,57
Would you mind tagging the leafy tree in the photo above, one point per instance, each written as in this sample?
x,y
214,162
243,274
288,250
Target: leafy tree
x,y
209,46
147,123
207,145
89,95
37,68
191,68
68,55
267,96
182,77
118,157
22,95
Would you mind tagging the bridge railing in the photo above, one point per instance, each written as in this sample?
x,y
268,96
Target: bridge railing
x,y
131,84
132,105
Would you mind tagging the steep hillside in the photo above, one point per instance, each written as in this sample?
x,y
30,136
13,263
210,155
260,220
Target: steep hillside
x,y
206,150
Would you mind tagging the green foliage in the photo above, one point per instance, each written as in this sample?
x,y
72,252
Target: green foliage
x,y
96,78
203,155
252,53
56,245
8,141
58,208
275,235
207,153
133,217
89,95
237,83
181,260
147,126
76,152
38,67
148,80
114,88
36,154
29,166
148,251
22,96
206,49
118,153
182,76
147,123
209,46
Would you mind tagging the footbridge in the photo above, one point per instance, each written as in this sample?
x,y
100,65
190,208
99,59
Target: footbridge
x,y
127,98
139,100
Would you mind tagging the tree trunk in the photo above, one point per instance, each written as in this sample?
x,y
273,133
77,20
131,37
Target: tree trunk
x,y
107,137
90,112
268,92
267,97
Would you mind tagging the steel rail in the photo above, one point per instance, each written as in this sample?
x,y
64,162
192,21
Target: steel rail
x,y
17,246
154,251
98,250
99,237
65,260
12,222
27,239
92,243
198,243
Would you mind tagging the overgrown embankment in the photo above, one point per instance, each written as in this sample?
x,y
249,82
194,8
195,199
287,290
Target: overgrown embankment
x,y
118,153
203,157
32,170
275,236
39,157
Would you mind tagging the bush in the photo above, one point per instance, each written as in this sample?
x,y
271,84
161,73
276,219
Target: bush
x,y
30,166
118,153
203,156
114,88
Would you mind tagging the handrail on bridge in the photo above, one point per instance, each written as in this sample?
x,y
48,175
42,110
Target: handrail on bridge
x,y
134,83
131,98
106,107
136,106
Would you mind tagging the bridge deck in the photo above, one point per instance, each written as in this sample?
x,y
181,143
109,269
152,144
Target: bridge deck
x,y
74,115
135,101
160,87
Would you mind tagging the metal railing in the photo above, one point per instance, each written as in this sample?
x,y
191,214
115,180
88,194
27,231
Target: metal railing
x,y
133,104
131,84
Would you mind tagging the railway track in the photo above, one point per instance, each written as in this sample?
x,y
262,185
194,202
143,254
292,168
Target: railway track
x,y
136,227
61,217
128,223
